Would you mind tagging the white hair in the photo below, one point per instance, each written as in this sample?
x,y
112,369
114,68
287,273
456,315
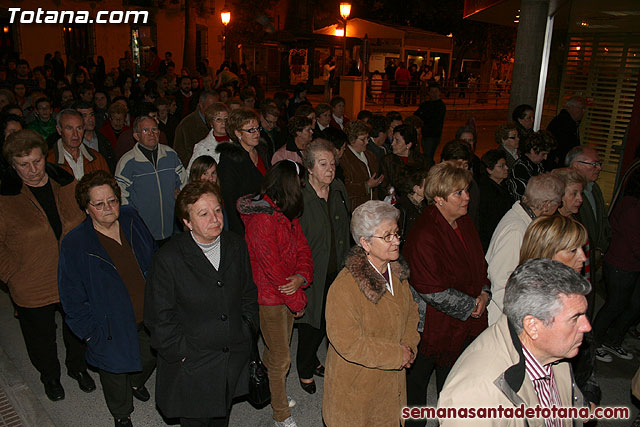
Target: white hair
x,y
368,216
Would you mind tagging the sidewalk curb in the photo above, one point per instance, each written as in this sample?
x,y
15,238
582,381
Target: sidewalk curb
x,y
24,401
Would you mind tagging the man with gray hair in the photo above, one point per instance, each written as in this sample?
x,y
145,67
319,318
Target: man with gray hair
x,y
514,362
150,176
593,212
542,196
565,129
69,152
193,128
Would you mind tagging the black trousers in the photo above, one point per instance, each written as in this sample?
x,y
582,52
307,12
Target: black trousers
x,y
117,387
205,422
310,338
38,327
418,377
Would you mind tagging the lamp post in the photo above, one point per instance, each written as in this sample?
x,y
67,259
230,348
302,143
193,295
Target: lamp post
x,y
225,17
345,11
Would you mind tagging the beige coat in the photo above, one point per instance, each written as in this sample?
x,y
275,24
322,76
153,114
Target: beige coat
x,y
366,326
491,372
28,246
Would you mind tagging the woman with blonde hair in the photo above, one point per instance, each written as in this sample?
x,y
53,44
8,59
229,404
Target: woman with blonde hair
x,y
449,272
574,183
556,237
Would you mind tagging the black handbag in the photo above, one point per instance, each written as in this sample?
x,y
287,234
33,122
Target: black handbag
x,y
259,393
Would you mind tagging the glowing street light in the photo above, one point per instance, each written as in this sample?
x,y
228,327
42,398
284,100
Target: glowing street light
x,y
225,17
345,11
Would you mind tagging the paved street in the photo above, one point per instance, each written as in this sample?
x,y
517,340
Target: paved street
x,y
21,383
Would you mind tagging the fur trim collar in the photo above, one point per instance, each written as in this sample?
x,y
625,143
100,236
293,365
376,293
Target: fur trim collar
x,y
255,204
369,281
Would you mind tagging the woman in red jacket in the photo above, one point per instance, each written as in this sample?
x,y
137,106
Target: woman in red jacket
x,y
449,272
282,266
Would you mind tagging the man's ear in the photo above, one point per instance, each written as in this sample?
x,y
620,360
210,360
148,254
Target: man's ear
x,y
136,136
59,130
531,326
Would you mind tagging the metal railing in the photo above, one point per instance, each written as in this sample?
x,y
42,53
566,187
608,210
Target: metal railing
x,y
390,93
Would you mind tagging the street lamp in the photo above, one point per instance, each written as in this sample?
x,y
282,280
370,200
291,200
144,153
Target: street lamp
x,y
345,11
225,17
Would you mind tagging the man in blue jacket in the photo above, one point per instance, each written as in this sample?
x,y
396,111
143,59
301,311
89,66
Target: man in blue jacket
x,y
150,175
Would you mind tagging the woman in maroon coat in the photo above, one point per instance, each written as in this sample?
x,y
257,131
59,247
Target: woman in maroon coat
x,y
449,272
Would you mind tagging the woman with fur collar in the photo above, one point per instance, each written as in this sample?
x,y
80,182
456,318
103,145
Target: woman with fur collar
x,y
371,325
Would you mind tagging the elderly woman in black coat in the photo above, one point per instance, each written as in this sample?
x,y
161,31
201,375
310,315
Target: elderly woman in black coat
x,y
325,223
199,290
495,199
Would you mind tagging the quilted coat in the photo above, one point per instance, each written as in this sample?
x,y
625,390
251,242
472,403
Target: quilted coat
x,y
278,249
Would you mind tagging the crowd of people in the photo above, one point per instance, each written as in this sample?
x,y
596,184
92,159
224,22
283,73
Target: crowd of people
x,y
169,217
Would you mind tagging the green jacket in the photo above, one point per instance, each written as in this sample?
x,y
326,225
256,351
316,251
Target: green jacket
x,y
316,227
43,128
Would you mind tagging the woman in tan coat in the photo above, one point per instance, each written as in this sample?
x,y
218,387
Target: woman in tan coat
x,y
361,169
37,209
371,325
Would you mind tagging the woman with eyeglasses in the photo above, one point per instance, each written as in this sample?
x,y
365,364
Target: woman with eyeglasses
x,y
372,323
101,276
449,272
243,162
508,141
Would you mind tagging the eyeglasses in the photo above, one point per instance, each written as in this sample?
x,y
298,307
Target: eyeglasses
x,y
389,237
252,130
101,205
147,131
594,164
